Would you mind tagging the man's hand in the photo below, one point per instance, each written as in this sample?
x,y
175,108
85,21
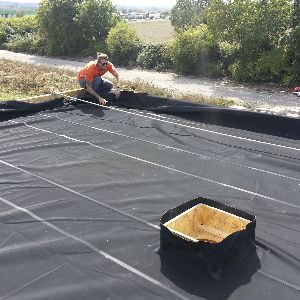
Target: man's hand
x,y
102,101
117,92
89,88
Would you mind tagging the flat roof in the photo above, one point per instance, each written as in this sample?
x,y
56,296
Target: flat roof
x,y
83,188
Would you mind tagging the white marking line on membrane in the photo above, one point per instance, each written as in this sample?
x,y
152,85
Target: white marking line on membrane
x,y
35,146
197,124
97,250
272,277
7,239
279,280
187,126
81,195
172,148
13,211
161,166
31,281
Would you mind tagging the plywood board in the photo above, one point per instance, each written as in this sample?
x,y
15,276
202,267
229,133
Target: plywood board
x,y
206,223
48,97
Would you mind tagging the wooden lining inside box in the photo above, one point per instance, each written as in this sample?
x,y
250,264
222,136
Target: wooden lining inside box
x,y
206,223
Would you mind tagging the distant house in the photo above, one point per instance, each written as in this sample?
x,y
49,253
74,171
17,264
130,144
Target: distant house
x,y
8,13
138,15
155,16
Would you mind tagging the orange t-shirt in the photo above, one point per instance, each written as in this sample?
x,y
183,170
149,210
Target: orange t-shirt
x,y
91,70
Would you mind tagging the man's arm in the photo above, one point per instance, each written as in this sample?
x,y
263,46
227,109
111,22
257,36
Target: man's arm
x,y
89,88
116,75
117,90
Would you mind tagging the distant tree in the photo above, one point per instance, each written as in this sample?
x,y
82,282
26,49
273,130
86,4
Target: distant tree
x,y
70,26
96,18
164,14
294,45
123,44
195,51
296,12
187,13
20,13
57,23
255,27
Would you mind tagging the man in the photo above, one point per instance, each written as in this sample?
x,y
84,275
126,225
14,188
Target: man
x,y
90,77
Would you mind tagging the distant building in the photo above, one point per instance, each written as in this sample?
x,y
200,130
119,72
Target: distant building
x,y
140,15
155,16
8,13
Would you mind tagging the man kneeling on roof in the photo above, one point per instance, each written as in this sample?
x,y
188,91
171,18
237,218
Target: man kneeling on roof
x,y
90,78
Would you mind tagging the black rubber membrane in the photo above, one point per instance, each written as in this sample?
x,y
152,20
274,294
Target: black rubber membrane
x,y
83,189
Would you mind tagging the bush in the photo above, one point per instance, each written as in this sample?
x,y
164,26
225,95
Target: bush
x,y
123,44
16,26
228,53
92,48
241,70
271,66
290,41
213,69
155,56
6,31
193,50
288,80
296,58
28,43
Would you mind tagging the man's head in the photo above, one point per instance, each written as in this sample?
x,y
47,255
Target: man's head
x,y
102,60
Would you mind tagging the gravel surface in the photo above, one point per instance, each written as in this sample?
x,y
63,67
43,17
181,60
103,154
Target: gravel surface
x,y
279,102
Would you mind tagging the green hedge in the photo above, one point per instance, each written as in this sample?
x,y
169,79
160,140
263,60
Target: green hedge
x,y
196,52
123,44
271,66
27,43
16,26
156,56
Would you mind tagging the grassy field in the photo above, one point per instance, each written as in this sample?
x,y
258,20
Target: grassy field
x,y
154,31
20,80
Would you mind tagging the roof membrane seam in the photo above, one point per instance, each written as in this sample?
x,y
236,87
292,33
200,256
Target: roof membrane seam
x,y
82,195
187,126
175,148
168,168
96,249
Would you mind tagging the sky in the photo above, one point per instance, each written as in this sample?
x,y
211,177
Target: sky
x,y
165,3
158,3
